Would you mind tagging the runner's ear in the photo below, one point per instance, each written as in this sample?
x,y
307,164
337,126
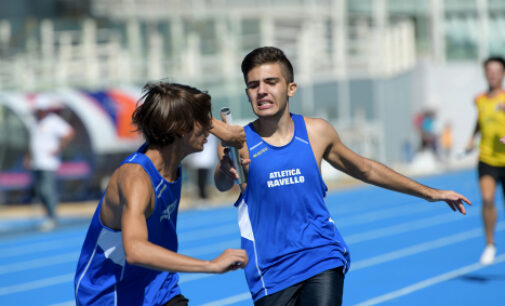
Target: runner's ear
x,y
292,87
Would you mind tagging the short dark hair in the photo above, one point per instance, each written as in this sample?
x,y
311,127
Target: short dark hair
x,y
498,59
266,55
167,109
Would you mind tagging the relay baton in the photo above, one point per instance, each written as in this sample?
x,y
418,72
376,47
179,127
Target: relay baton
x,y
235,156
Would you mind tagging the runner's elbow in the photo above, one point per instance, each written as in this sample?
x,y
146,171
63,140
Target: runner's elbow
x,y
132,254
365,170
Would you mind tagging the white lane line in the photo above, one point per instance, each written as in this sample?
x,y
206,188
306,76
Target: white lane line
x,y
404,227
67,303
40,247
428,282
421,247
37,237
381,214
41,283
230,300
184,278
360,207
208,249
70,242
38,263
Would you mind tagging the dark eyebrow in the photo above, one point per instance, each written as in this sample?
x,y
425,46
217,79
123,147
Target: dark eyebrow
x,y
252,83
256,82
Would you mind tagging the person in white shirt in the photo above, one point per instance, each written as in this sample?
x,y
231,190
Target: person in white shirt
x,y
49,135
204,162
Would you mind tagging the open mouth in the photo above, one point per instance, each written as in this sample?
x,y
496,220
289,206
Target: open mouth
x,y
264,104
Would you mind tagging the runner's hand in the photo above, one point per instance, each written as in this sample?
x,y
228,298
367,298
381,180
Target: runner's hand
x,y
229,260
226,165
234,137
453,199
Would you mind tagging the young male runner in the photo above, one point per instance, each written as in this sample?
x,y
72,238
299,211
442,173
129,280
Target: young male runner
x,y
491,126
129,256
297,256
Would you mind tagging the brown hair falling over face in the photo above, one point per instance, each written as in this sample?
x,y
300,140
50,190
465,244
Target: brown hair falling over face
x,y
167,110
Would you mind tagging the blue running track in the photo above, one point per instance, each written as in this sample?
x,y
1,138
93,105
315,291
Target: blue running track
x,y
404,251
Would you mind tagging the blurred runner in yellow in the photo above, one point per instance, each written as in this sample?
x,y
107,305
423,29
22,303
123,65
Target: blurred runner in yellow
x,y
491,126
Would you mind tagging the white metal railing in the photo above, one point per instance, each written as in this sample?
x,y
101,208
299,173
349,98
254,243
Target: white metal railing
x,y
162,9
95,57
323,47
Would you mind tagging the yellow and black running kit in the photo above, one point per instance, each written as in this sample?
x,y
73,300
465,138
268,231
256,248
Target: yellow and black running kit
x,y
491,117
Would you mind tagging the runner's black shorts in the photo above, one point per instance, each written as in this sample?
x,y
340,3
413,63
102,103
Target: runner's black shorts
x,y
497,173
323,289
178,300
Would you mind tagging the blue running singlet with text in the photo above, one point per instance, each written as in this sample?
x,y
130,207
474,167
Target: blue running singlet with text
x,y
285,226
103,276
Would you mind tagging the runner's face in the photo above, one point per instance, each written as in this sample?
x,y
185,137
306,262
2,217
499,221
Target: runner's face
x,y
494,74
196,138
268,91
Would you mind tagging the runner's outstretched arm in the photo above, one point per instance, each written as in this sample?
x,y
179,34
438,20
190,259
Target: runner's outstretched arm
x,y
373,172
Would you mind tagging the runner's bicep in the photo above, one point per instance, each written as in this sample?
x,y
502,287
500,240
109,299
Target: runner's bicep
x,y
135,198
344,159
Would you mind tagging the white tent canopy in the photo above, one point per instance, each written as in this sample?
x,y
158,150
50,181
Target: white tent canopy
x,y
98,121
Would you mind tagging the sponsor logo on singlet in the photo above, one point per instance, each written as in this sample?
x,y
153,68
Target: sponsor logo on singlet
x,y
165,214
260,152
285,177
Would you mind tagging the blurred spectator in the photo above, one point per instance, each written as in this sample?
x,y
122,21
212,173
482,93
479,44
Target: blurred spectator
x,y
203,163
49,135
428,131
425,124
446,142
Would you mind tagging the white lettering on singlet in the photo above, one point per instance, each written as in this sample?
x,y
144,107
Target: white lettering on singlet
x,y
285,177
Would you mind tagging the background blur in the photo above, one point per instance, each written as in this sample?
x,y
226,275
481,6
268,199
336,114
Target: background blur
x,y
391,75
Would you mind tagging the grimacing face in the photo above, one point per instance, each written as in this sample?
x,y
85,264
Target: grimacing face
x,y
267,89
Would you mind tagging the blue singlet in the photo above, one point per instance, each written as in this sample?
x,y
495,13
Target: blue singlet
x,y
103,276
285,225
